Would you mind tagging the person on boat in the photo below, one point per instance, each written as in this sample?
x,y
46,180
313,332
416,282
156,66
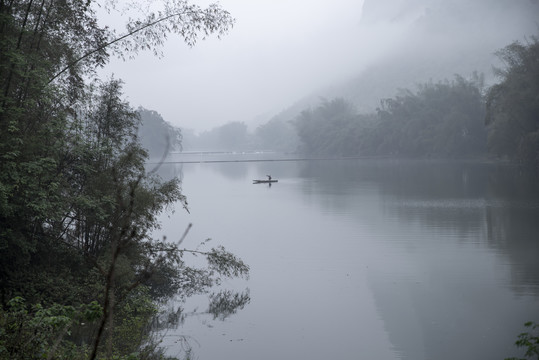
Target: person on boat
x,y
269,177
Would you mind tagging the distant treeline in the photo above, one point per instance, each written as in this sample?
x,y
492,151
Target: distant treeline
x,y
156,135
275,135
441,119
456,118
444,119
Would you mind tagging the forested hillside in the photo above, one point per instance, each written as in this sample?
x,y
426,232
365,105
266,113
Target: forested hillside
x,y
406,43
458,118
428,41
441,119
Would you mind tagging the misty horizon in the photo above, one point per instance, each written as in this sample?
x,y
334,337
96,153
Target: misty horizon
x,y
263,67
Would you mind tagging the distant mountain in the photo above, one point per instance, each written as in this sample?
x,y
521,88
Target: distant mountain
x,y
417,41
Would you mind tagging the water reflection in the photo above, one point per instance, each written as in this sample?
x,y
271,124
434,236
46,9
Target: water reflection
x,y
226,302
443,254
442,288
221,305
475,202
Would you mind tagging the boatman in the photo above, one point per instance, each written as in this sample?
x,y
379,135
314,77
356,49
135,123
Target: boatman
x,y
269,177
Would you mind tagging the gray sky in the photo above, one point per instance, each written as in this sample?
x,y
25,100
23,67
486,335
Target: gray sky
x,y
278,51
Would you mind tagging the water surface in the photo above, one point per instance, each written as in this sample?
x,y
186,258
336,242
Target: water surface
x,y
364,259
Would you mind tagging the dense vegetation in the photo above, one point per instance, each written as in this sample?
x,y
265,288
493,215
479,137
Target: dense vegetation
x,y
441,119
157,136
513,105
232,136
79,272
456,119
275,135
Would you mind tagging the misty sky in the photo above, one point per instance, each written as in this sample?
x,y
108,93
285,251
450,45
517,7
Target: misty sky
x,y
278,52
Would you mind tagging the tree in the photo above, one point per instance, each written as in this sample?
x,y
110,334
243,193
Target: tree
x,y
440,119
231,136
158,136
277,135
76,204
318,129
47,48
513,105
528,340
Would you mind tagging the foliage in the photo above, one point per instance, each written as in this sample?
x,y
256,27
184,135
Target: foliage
x,y
228,137
156,135
529,341
513,105
321,130
77,206
442,119
38,332
167,257
188,21
277,135
110,208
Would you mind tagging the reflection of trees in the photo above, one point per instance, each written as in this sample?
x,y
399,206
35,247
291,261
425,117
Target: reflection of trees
x,y
512,223
461,198
403,185
431,180
221,305
226,303
515,230
464,197
441,305
442,195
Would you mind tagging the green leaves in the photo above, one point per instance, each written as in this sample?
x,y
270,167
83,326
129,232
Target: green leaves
x,y
77,207
529,341
41,332
226,264
513,105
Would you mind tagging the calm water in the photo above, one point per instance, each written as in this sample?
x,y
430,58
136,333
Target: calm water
x,y
364,259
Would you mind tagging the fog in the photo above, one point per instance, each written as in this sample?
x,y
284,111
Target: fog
x,y
277,52
346,179
280,52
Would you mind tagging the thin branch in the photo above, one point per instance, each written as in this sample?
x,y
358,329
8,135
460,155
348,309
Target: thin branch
x,y
185,233
102,47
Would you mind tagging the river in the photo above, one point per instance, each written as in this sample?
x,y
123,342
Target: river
x,y
362,258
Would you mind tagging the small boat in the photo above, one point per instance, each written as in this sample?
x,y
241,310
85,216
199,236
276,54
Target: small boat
x,y
264,181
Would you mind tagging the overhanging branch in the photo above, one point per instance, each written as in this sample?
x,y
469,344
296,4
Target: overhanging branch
x,y
102,47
